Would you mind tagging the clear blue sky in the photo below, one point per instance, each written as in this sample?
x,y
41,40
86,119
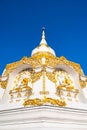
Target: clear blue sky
x,y
21,22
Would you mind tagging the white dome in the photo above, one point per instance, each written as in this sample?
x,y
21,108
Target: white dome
x,y
43,47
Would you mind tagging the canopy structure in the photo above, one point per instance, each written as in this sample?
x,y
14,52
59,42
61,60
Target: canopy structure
x,y
43,91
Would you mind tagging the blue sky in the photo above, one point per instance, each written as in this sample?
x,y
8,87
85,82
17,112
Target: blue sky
x,y
21,22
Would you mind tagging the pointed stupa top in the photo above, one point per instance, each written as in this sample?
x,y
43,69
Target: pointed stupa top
x,y
43,47
43,41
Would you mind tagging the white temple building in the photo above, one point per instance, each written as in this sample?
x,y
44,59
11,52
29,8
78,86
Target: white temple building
x,y
43,92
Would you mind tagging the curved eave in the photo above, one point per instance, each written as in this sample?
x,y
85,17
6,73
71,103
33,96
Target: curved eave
x,y
74,65
11,67
33,61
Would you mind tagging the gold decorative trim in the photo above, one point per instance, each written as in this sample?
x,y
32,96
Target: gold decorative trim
x,y
36,60
3,84
39,102
10,67
72,64
82,83
68,88
51,76
44,92
36,76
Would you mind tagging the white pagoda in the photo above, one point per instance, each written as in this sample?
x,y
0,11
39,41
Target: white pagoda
x,y
43,92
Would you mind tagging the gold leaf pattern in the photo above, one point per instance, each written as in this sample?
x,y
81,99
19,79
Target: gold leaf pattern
x,y
36,76
51,76
37,101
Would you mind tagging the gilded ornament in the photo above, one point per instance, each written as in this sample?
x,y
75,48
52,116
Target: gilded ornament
x,y
82,83
36,76
25,81
36,61
3,84
67,88
44,92
19,95
37,102
51,76
72,64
